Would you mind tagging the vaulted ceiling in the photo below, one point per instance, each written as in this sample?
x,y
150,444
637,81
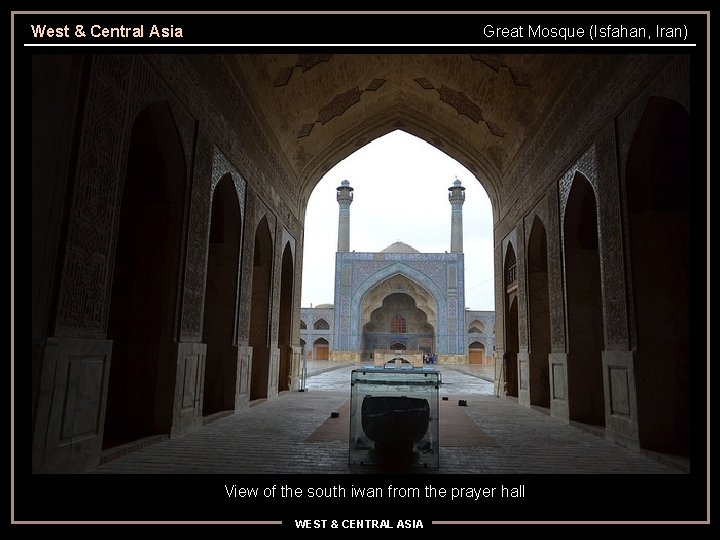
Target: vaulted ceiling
x,y
484,110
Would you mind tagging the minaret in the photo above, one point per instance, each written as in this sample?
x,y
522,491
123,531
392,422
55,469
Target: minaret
x,y
457,198
344,199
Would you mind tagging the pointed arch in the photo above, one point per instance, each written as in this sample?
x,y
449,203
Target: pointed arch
x,y
512,345
321,349
287,278
221,289
658,209
260,310
321,324
477,327
413,275
476,353
586,397
143,303
538,314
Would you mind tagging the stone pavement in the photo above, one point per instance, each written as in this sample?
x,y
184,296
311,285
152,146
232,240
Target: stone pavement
x,y
270,437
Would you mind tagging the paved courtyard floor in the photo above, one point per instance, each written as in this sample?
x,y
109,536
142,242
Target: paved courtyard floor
x,y
272,437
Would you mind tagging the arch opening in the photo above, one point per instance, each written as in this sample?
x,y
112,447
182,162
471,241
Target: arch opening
x,y
260,311
400,322
145,281
221,289
320,349
321,324
285,322
512,344
586,398
539,315
476,353
658,203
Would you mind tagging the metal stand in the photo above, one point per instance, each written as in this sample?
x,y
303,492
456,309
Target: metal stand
x,y
303,375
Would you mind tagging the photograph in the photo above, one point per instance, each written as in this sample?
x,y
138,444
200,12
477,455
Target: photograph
x,y
364,284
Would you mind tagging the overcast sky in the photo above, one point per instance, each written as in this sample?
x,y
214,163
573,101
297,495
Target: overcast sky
x,y
401,193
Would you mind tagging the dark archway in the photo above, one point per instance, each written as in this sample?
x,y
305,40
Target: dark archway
x,y
260,311
221,299
658,203
285,322
145,281
539,314
512,344
584,305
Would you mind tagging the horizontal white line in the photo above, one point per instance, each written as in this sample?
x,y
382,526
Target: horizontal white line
x,y
451,45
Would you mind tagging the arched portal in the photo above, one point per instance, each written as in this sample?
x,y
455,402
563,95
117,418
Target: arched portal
x,y
658,202
320,349
145,281
584,305
221,299
400,322
509,365
260,311
539,315
413,319
285,323
476,353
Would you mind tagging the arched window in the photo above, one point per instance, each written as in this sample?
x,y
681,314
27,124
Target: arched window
x,y
510,266
321,324
476,327
397,325
303,326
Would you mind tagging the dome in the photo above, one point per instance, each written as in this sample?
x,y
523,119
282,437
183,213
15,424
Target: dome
x,y
400,247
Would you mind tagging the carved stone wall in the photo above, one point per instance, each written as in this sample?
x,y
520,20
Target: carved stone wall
x,y
586,166
220,167
555,271
612,267
540,210
229,128
510,239
85,283
522,288
198,232
285,238
672,82
499,303
120,87
570,127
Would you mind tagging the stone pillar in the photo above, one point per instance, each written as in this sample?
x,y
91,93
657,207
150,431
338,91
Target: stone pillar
x,y
296,369
457,198
344,199
189,387
70,415
242,397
